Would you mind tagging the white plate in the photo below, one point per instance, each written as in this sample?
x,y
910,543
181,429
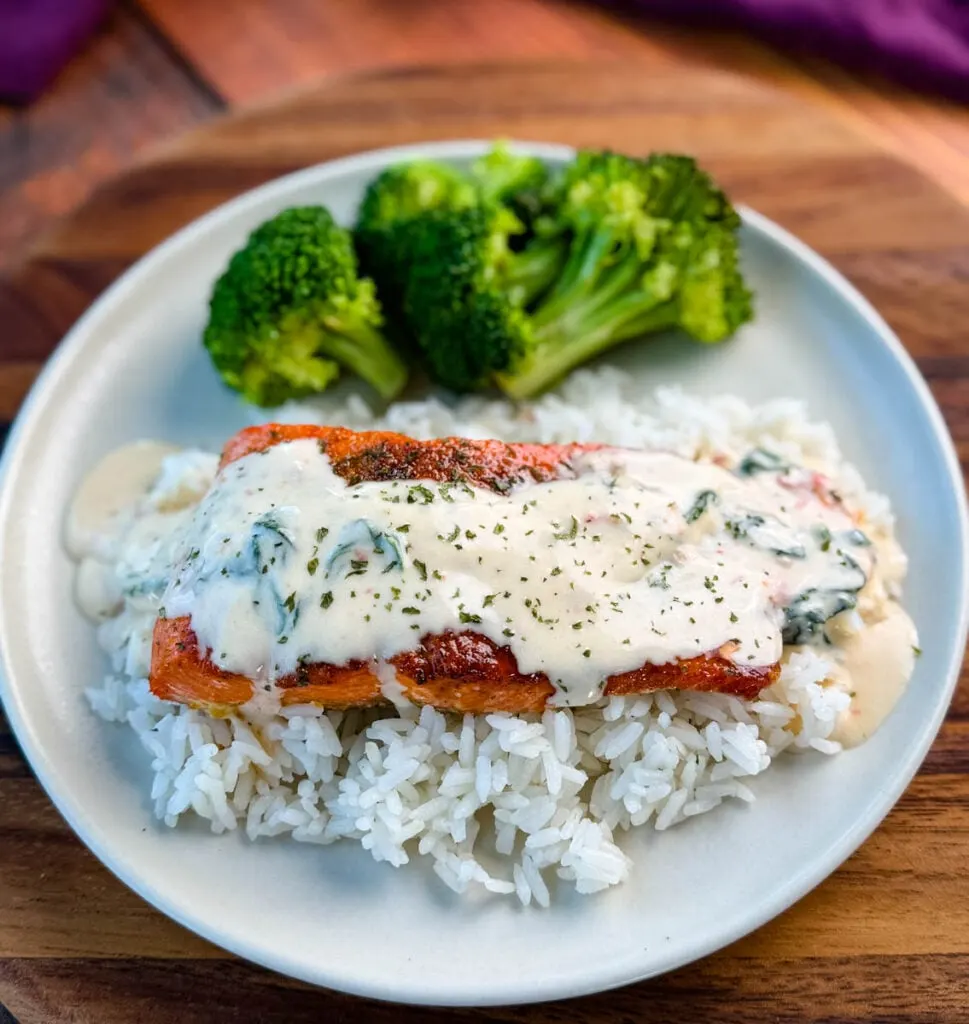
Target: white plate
x,y
133,367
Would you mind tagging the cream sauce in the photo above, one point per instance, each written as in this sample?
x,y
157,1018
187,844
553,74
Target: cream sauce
x,y
629,558
124,519
104,503
96,590
876,663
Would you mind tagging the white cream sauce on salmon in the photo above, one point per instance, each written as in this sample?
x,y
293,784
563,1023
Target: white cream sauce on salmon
x,y
136,520
629,558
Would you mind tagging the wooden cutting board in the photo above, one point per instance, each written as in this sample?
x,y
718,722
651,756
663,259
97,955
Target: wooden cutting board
x,y
887,937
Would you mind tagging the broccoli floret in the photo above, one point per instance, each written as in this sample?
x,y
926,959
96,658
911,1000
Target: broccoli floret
x,y
714,300
624,247
433,237
392,201
406,192
521,184
502,176
291,309
653,246
456,305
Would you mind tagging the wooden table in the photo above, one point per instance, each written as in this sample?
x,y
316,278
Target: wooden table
x,y
887,937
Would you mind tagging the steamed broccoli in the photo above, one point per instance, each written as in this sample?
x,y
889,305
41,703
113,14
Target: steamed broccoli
x,y
290,310
392,201
404,193
504,176
623,248
456,303
652,246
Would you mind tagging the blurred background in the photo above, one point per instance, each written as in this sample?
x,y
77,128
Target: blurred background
x,y
88,86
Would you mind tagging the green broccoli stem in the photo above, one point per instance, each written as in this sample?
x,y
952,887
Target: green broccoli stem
x,y
532,271
570,313
582,277
690,283
366,352
497,183
563,345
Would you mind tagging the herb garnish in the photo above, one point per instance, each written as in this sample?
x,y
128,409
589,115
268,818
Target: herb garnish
x,y
569,534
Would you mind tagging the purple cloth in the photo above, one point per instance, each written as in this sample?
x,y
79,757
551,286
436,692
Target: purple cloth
x,y
38,37
921,43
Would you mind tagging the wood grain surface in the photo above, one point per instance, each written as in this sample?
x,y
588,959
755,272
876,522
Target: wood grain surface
x,y
272,44
123,92
158,65
886,938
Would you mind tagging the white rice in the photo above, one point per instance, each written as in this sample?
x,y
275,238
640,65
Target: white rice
x,y
540,799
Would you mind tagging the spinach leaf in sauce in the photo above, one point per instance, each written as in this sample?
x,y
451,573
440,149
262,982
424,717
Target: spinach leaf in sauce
x,y
766,532
269,542
856,538
358,536
702,502
806,616
287,615
760,460
269,545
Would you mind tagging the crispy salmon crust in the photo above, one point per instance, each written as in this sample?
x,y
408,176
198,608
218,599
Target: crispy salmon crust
x,y
462,672
379,455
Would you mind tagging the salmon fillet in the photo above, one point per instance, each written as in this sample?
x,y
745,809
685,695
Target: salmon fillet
x,y
455,671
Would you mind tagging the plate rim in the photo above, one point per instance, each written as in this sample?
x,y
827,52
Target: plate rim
x,y
72,345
